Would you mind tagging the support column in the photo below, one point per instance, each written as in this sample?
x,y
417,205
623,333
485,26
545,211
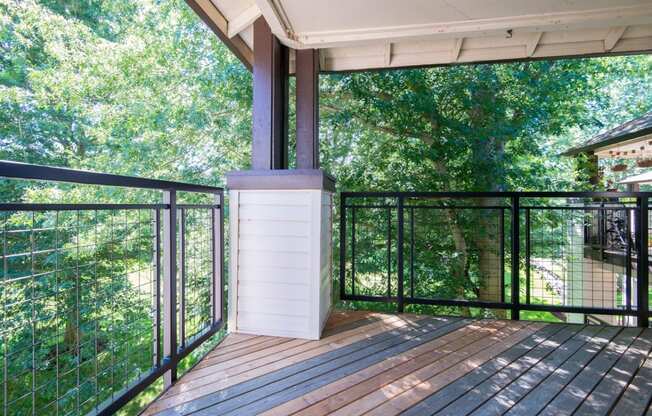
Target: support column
x,y
307,73
281,219
270,129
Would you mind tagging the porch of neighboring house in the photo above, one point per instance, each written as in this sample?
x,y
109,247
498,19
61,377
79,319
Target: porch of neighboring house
x,y
380,364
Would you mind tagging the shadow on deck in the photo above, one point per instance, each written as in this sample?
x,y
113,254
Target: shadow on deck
x,y
376,364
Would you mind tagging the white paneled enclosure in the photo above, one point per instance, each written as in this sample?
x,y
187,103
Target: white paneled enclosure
x,y
281,261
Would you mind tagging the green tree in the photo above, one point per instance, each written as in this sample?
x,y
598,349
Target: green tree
x,y
468,128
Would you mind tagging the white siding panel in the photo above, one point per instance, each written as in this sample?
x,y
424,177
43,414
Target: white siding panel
x,y
274,243
273,274
273,290
269,324
261,258
275,198
275,228
273,306
274,213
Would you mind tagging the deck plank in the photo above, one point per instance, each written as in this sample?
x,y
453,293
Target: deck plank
x,y
442,353
479,394
581,386
216,358
306,350
542,394
216,392
608,391
358,356
332,396
204,381
521,384
379,364
638,395
450,393
413,388
218,362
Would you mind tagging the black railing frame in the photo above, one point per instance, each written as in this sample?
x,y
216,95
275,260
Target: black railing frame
x,y
165,364
515,305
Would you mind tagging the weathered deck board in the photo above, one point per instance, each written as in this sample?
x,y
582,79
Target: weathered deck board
x,y
541,395
453,391
348,389
378,364
204,381
244,393
638,394
519,386
605,395
577,390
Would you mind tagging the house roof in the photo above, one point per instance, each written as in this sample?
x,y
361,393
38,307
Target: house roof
x,y
643,178
365,34
627,136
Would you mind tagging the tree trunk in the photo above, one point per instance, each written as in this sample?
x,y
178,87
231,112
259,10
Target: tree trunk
x,y
71,333
489,260
461,267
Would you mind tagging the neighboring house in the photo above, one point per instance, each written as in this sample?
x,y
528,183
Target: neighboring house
x,y
628,141
609,235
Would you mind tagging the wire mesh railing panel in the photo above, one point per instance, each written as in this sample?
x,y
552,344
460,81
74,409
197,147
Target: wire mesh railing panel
x,y
455,250
198,256
579,254
372,233
78,315
575,257
89,292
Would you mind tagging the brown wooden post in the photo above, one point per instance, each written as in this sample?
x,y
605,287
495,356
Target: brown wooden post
x,y
307,73
270,139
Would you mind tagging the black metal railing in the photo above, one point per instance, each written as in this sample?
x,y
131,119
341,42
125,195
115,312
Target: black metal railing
x,y
101,300
574,255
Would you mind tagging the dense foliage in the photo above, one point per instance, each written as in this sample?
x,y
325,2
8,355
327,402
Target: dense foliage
x,y
144,88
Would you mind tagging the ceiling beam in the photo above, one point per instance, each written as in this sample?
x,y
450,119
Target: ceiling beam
x,y
532,43
212,17
586,19
614,35
457,48
243,20
388,54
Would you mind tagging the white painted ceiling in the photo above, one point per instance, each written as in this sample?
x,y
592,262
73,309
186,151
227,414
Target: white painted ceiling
x,y
360,34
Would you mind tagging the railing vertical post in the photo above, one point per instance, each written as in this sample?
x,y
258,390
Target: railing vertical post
x,y
516,307
353,242
170,285
628,261
501,230
389,254
411,252
642,262
157,289
342,246
182,295
528,254
218,259
399,269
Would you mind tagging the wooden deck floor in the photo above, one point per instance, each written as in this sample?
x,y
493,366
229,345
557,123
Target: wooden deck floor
x,y
377,364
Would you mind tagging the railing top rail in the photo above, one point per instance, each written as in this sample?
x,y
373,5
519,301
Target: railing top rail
x,y
506,194
19,170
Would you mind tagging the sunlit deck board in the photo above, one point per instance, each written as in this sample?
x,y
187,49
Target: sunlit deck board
x,y
369,363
